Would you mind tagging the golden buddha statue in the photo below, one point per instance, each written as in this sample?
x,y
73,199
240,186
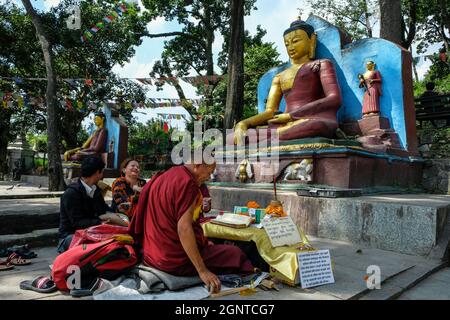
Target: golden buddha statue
x,y
311,91
95,145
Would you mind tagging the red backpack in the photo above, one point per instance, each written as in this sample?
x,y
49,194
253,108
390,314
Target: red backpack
x,y
106,259
96,234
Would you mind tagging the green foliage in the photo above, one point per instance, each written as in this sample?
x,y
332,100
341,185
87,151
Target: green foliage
x,y
21,56
191,48
439,73
40,163
38,142
433,23
259,57
356,17
148,139
423,20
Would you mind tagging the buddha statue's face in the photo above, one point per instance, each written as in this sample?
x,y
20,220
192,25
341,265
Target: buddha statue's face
x,y
298,44
98,121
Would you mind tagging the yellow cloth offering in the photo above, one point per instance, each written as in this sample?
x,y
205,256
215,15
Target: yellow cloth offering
x,y
283,259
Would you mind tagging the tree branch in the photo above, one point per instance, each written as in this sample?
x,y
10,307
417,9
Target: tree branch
x,y
412,25
176,33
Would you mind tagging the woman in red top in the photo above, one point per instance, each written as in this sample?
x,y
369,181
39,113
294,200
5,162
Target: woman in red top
x,y
126,189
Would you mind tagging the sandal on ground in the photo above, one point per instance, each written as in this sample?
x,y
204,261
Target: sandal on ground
x,y
41,284
4,265
17,260
88,291
23,251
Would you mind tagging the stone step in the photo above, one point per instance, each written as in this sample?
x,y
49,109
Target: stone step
x,y
394,286
34,195
20,216
37,238
403,223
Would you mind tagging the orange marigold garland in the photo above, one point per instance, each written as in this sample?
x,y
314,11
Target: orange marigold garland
x,y
253,205
275,210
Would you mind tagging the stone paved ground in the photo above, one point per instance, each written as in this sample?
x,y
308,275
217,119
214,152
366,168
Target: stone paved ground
x,y
435,287
349,270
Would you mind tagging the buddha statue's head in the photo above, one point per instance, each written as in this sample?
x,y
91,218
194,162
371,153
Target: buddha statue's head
x,y
99,119
301,41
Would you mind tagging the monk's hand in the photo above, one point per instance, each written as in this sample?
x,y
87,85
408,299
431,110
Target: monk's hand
x,y
113,218
211,281
124,206
240,131
281,118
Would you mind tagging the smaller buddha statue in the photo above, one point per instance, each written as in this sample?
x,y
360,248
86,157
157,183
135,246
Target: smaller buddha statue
x,y
371,81
95,145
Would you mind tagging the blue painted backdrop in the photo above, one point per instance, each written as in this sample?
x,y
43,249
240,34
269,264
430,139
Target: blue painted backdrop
x,y
349,61
113,134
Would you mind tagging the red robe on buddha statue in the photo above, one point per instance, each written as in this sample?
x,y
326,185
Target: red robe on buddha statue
x,y
96,147
314,99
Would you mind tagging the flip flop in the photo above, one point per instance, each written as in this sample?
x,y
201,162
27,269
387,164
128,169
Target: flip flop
x,y
78,293
23,251
5,266
41,284
17,260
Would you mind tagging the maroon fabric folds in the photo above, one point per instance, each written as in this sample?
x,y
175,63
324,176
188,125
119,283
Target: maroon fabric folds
x,y
163,201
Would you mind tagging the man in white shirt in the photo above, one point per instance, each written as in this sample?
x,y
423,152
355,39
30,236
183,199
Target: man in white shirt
x,y
82,204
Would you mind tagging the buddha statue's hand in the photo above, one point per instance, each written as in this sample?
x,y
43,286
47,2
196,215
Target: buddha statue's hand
x,y
281,118
240,131
69,153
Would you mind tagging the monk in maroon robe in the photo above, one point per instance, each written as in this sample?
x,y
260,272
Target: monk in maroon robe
x,y
166,226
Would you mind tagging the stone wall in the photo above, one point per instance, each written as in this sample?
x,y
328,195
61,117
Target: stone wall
x,y
436,175
410,224
434,147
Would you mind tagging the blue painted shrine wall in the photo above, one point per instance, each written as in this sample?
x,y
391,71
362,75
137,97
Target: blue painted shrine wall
x,y
113,134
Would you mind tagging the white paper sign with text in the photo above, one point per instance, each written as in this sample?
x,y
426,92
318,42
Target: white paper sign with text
x,y
282,231
315,268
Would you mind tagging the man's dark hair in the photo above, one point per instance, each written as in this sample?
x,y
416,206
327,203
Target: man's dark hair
x,y
91,165
300,25
430,86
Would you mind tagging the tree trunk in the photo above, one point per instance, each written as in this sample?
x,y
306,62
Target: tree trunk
x,y
391,20
235,86
55,173
367,18
445,14
209,37
5,125
410,33
416,75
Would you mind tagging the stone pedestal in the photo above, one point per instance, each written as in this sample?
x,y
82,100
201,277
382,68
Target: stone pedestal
x,y
370,123
73,170
377,135
411,224
336,163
